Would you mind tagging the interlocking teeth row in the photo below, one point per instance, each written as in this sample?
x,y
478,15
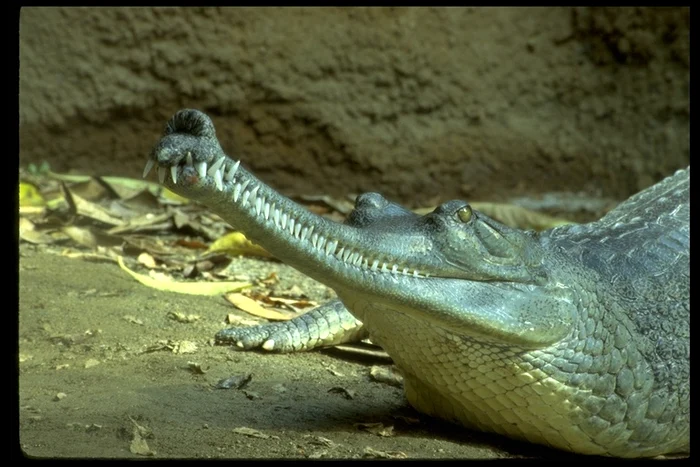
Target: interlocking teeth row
x,y
220,171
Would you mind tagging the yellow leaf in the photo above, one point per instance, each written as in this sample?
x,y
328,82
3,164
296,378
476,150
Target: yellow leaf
x,y
29,195
249,305
190,288
235,244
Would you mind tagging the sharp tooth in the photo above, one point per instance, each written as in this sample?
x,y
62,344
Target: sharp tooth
x,y
236,192
375,263
244,185
304,233
218,181
232,171
188,159
330,247
405,271
291,225
284,219
321,242
254,192
297,229
353,257
276,216
215,166
258,206
161,174
394,269
266,210
314,240
365,263
415,273
173,174
201,169
244,199
358,261
384,267
339,255
346,255
149,165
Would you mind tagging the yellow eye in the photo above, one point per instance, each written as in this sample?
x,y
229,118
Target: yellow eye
x,y
465,214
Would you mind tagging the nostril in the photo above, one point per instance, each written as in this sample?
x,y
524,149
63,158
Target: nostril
x,y
370,200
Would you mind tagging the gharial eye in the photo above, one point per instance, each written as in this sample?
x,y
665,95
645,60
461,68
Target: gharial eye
x,y
465,214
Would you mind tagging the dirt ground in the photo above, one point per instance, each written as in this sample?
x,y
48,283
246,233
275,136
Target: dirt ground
x,y
89,375
423,105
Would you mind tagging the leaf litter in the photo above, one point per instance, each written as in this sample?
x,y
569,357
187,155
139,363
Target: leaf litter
x,y
182,247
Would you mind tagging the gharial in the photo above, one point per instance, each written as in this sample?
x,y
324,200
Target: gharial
x,y
576,337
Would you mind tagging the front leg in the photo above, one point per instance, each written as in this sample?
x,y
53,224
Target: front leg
x,y
326,325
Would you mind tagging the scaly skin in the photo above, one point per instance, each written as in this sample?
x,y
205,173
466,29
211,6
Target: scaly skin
x,y
575,338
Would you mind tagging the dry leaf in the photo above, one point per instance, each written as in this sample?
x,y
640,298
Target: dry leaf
x,y
181,347
143,200
235,243
89,209
376,428
343,206
271,279
251,306
183,318
109,255
29,195
28,232
244,430
35,211
295,305
376,454
90,238
240,320
190,288
145,223
93,189
147,260
386,375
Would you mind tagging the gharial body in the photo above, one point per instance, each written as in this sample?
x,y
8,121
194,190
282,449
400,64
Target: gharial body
x,y
577,337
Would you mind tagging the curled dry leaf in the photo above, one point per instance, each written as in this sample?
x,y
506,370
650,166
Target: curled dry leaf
x,y
147,260
251,306
89,237
190,288
235,243
89,209
28,233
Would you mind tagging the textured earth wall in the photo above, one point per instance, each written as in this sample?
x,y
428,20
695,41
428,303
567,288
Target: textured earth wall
x,y
420,104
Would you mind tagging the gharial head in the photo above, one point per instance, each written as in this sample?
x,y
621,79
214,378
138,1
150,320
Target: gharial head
x,y
448,261
452,241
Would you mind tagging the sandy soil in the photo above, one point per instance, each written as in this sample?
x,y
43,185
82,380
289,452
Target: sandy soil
x,y
89,376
